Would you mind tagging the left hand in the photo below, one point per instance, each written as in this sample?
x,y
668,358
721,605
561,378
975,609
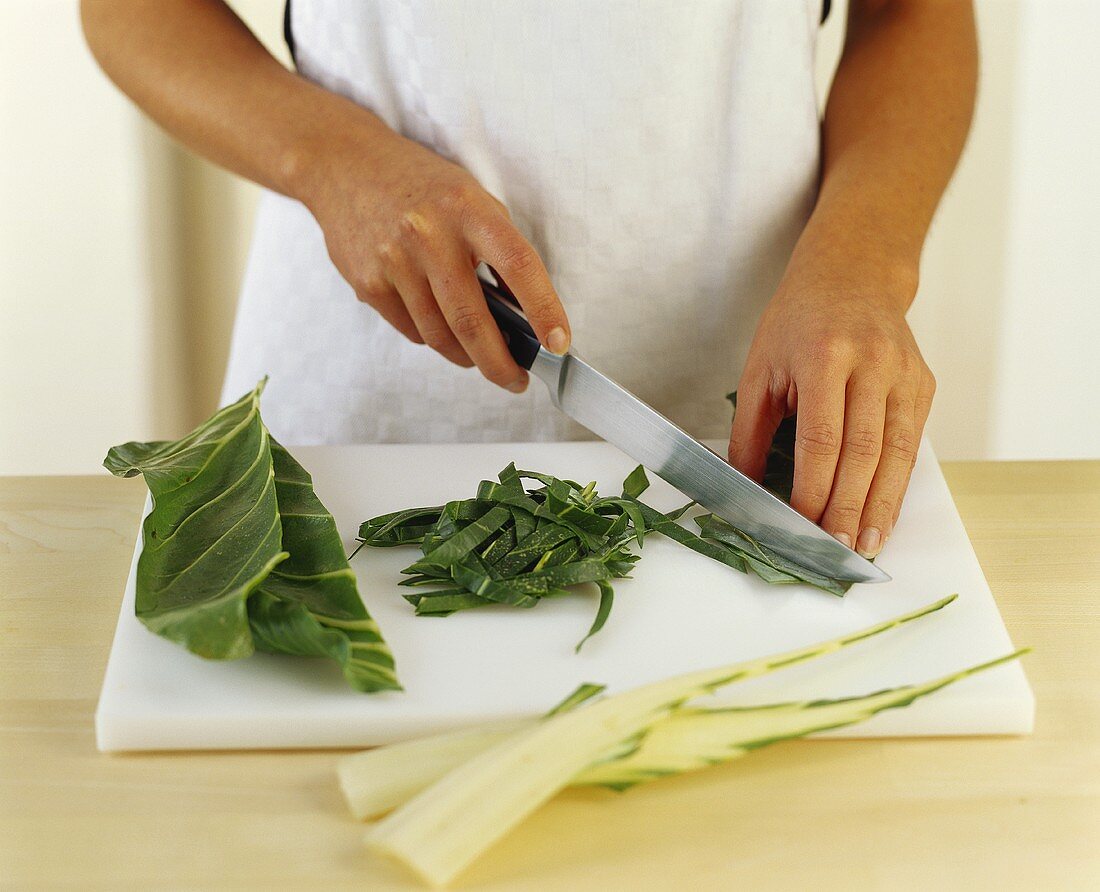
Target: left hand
x,y
842,356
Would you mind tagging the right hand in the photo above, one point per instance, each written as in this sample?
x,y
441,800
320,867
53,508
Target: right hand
x,y
407,228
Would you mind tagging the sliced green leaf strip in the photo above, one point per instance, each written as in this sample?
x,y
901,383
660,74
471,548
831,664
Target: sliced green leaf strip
x,y
515,546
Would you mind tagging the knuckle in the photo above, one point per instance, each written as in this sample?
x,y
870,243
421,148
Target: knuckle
x,y
830,351
878,507
458,198
845,511
912,365
929,384
879,349
359,279
861,443
414,228
818,439
901,444
517,258
810,503
466,321
371,289
391,253
544,305
436,335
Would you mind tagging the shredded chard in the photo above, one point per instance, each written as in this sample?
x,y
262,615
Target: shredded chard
x,y
516,545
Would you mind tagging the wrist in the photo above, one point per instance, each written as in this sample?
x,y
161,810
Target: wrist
x,y
328,141
856,260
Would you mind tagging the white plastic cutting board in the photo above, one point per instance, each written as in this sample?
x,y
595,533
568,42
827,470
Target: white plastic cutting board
x,y
680,611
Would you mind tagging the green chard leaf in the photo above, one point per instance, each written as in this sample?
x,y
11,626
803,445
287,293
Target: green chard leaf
x,y
239,554
213,535
317,580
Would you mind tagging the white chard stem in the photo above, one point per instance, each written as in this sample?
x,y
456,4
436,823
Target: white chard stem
x,y
444,828
687,739
378,780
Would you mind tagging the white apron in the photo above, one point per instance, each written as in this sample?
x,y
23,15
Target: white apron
x,y
661,156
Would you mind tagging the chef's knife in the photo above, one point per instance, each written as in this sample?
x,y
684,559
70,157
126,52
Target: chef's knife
x,y
616,415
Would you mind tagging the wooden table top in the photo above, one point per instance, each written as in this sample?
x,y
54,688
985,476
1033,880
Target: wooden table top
x,y
1004,813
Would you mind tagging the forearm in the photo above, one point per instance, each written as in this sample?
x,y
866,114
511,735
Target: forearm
x,y
895,124
196,69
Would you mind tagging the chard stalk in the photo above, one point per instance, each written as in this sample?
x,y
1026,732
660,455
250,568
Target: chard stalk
x,y
690,739
378,780
442,830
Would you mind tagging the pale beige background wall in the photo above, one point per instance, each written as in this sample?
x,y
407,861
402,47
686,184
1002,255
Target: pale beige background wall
x,y
120,254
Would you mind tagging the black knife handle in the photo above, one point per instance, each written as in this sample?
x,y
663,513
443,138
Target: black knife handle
x,y
518,334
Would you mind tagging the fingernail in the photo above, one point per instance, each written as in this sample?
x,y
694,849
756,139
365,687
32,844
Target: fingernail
x,y
869,543
844,539
557,340
518,386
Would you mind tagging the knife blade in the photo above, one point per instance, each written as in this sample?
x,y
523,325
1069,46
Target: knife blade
x,y
610,411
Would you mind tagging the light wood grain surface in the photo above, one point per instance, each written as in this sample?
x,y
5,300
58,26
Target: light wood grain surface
x,y
1010,813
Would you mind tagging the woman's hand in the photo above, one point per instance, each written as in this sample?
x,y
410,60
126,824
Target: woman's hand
x,y
833,344
843,358
406,229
